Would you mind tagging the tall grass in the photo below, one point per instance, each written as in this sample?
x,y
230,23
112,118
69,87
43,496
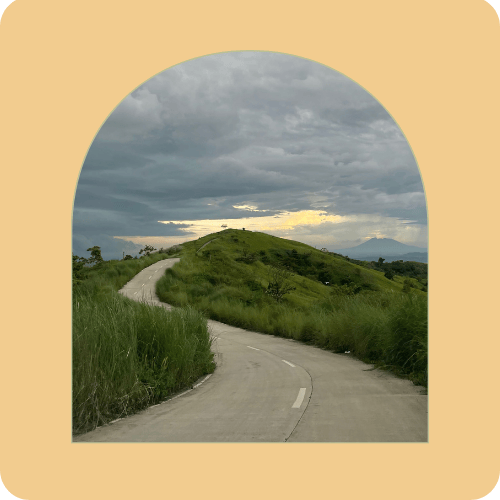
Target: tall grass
x,y
387,328
129,355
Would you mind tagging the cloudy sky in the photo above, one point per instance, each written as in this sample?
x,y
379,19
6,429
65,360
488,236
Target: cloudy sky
x,y
266,141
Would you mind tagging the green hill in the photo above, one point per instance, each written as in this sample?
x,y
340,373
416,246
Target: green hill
x,y
235,256
286,288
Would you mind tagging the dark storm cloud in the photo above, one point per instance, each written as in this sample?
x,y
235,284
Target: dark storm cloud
x,y
111,248
263,129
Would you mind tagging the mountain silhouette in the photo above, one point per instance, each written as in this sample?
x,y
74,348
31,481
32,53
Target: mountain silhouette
x,y
380,247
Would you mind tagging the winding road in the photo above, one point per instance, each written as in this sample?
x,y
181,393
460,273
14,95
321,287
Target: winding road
x,y
270,389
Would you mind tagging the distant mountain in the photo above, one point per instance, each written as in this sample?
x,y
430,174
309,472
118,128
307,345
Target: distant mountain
x,y
382,247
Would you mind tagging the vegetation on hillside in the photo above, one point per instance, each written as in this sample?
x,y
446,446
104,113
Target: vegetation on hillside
x,y
286,288
413,273
128,355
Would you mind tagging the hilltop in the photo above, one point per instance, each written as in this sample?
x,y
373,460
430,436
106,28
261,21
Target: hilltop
x,y
236,256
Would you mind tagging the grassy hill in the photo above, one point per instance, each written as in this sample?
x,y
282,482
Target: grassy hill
x,y
234,276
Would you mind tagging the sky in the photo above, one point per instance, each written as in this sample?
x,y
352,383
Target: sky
x,y
261,140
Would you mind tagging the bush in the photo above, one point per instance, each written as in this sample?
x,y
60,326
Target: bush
x,y
78,265
389,274
279,284
308,331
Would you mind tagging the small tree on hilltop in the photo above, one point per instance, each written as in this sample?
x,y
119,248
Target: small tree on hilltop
x,y
147,250
279,285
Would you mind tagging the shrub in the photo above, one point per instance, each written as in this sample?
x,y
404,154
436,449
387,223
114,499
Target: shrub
x,y
279,284
78,265
389,274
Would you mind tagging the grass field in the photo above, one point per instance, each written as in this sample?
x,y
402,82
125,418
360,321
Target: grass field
x,y
359,311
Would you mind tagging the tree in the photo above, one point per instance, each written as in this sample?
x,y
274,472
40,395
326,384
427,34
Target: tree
x,y
95,255
279,284
147,250
380,261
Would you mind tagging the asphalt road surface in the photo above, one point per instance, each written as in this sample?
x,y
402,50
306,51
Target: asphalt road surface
x,y
270,389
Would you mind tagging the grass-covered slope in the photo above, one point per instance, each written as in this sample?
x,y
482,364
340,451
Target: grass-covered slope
x,y
128,355
359,311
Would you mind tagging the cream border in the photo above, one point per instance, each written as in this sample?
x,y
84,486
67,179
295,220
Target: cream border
x,y
66,65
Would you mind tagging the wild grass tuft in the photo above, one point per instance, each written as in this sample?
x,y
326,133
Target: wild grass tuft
x,y
129,355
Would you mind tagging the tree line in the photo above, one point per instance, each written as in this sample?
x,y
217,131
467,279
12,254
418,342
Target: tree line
x,y
95,261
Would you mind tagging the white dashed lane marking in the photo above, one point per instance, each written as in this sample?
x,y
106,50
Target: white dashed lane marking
x,y
288,363
254,348
300,398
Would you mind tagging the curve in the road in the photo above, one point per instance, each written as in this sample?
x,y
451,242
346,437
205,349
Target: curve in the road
x,y
262,390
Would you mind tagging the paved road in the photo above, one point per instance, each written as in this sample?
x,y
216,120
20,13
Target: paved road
x,y
270,389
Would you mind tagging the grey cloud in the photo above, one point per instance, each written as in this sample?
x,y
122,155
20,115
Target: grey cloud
x,y
111,248
91,221
266,129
